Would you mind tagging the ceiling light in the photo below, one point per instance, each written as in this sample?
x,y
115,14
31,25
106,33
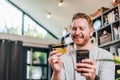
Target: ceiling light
x,y
60,3
48,15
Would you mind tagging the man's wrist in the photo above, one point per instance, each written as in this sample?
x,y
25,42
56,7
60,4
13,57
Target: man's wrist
x,y
56,76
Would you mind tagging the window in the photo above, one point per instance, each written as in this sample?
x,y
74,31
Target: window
x,y
37,67
10,19
31,28
11,22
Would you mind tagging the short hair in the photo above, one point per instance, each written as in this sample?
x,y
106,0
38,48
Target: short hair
x,y
83,15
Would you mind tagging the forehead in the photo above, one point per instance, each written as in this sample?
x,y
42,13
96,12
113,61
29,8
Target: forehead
x,y
80,22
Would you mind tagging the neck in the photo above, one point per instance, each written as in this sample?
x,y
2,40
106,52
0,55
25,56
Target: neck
x,y
88,46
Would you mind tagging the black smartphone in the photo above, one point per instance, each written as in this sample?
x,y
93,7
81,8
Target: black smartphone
x,y
81,54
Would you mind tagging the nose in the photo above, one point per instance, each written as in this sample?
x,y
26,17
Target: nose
x,y
78,31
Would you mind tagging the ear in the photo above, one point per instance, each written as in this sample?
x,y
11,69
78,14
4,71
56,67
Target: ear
x,y
91,31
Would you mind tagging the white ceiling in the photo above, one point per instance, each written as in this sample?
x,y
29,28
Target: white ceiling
x,y
61,16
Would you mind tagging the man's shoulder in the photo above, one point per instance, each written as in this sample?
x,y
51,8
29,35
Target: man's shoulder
x,y
101,49
103,53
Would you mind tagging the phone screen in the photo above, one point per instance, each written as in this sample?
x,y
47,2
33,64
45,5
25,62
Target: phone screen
x,y
81,54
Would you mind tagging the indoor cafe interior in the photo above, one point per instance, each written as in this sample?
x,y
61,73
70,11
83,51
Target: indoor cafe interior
x,y
31,29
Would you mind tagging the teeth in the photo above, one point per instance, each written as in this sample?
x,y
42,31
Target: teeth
x,y
78,37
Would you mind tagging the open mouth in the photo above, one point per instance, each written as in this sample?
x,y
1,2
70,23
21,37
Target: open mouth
x,y
78,37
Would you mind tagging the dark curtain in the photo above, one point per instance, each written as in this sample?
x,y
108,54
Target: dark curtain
x,y
11,60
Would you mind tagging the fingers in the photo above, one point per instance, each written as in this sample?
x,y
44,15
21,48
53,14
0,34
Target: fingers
x,y
86,63
55,61
54,57
53,53
89,61
89,75
85,70
87,67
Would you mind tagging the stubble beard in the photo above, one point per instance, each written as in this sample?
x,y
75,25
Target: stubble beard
x,y
82,44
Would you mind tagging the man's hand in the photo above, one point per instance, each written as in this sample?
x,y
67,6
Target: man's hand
x,y
55,61
87,68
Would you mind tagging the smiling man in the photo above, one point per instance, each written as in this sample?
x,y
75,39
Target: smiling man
x,y
65,66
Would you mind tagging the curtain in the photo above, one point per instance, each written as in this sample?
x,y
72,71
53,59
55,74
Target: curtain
x,y
11,60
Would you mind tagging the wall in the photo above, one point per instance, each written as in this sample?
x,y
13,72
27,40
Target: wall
x,y
30,41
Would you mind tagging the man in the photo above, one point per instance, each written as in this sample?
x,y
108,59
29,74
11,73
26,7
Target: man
x,y
65,66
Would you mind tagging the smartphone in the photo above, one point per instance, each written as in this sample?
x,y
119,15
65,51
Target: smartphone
x,y
81,54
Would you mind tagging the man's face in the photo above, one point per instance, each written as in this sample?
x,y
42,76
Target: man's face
x,y
81,31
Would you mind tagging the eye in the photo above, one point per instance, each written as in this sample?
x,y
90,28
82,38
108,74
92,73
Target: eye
x,y
74,28
82,28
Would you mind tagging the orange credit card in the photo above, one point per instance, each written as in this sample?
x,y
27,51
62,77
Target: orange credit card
x,y
60,50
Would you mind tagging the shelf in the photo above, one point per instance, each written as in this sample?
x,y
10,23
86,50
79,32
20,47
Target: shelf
x,y
104,27
108,34
109,43
116,21
108,11
108,25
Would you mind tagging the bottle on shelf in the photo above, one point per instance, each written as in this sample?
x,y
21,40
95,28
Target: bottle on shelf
x,y
119,30
116,14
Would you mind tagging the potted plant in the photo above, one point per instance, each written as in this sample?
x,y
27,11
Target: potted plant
x,y
116,60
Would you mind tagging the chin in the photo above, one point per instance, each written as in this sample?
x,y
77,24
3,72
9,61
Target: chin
x,y
79,43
